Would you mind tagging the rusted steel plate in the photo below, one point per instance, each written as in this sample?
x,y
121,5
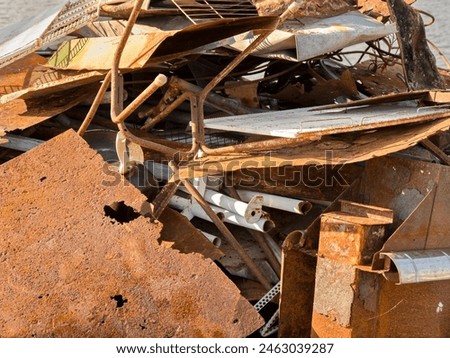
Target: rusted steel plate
x,y
178,230
25,113
19,75
417,310
419,194
49,81
72,266
296,305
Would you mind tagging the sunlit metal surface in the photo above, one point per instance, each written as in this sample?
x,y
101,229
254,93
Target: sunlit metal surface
x,y
418,266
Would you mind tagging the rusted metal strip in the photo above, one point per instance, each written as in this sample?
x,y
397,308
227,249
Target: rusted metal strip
x,y
433,148
95,104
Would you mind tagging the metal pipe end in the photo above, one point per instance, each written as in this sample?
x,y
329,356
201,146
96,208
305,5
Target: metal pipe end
x,y
217,242
304,207
160,80
268,225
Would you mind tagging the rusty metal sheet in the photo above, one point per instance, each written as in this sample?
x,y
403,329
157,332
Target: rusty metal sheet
x,y
427,302
53,81
296,305
302,121
19,74
25,37
78,260
420,200
24,113
192,240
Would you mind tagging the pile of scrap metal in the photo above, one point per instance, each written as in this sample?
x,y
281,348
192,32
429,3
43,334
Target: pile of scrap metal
x,y
223,168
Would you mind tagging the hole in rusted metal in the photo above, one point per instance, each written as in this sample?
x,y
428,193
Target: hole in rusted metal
x,y
121,212
120,300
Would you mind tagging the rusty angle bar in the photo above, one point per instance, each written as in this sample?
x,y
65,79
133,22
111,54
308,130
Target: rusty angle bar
x,y
94,107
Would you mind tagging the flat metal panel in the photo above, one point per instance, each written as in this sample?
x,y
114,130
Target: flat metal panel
x,y
296,122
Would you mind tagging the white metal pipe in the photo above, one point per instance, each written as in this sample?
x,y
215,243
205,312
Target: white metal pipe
x,y
263,224
251,211
188,208
278,202
216,241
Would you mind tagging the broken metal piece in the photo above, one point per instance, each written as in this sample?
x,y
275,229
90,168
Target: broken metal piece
x,y
19,143
192,240
353,237
419,63
24,113
417,266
